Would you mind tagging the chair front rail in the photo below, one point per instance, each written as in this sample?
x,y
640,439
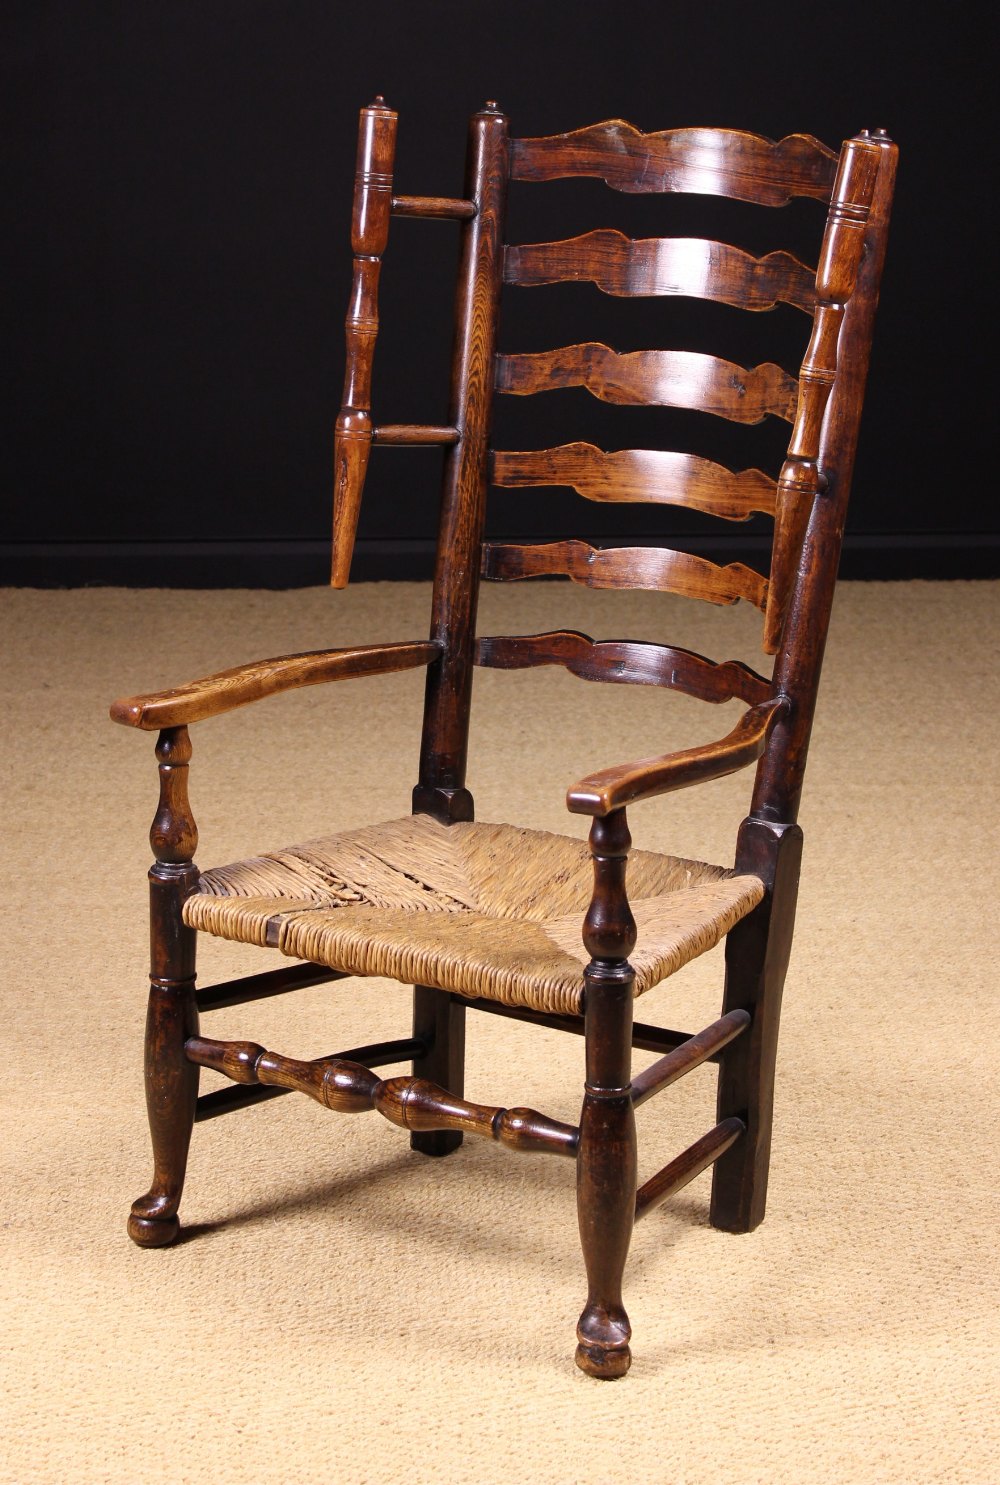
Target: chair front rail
x,y
369,237
348,1087
242,1095
689,1055
690,1163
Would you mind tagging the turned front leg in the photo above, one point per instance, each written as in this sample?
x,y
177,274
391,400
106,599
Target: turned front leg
x,y
606,1160
172,1017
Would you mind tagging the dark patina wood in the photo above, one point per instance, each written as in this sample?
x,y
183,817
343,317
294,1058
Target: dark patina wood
x,y
220,693
411,1103
441,789
439,1026
172,1015
263,986
661,570
689,1055
690,1163
369,236
647,1038
607,1161
808,502
717,162
612,788
443,208
243,1095
655,378
627,662
656,476
803,478
414,435
650,266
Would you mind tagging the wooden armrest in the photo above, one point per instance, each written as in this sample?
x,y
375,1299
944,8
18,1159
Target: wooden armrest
x,y
245,683
600,793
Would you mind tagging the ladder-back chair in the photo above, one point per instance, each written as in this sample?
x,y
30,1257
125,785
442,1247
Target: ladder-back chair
x,y
512,920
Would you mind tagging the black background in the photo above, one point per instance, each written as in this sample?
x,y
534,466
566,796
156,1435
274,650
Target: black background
x,y
180,264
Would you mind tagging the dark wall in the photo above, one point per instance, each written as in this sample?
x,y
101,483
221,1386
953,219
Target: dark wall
x,y
181,262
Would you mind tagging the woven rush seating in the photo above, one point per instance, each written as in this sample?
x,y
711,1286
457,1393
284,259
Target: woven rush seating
x,y
481,909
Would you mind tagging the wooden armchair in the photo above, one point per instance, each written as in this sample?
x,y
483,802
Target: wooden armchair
x,y
511,920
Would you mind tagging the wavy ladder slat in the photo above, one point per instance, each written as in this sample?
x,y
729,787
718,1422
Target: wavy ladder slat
x,y
646,267
654,568
628,662
688,379
725,162
653,476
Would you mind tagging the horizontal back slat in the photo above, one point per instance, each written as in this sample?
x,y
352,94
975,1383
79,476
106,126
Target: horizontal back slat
x,y
646,267
723,162
654,568
627,662
655,378
656,476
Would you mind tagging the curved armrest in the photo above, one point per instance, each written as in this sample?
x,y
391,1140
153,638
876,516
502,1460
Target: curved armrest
x,y
245,683
600,793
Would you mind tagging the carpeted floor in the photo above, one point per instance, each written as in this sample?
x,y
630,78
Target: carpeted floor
x,y
343,1309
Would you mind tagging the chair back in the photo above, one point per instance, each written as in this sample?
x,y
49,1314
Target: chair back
x,y
806,499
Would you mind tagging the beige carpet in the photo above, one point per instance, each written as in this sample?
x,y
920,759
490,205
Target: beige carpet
x,y
344,1310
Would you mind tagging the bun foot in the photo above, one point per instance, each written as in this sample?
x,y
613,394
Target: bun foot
x,y
603,1335
148,1229
604,1362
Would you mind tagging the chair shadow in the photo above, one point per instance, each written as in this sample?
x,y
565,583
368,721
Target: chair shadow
x,y
439,1231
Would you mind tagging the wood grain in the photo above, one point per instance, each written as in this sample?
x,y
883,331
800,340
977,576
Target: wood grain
x,y
626,783
369,235
245,683
444,743
724,162
655,379
698,1049
654,476
690,1163
652,568
626,662
410,1103
172,1011
802,478
652,266
440,208
412,435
